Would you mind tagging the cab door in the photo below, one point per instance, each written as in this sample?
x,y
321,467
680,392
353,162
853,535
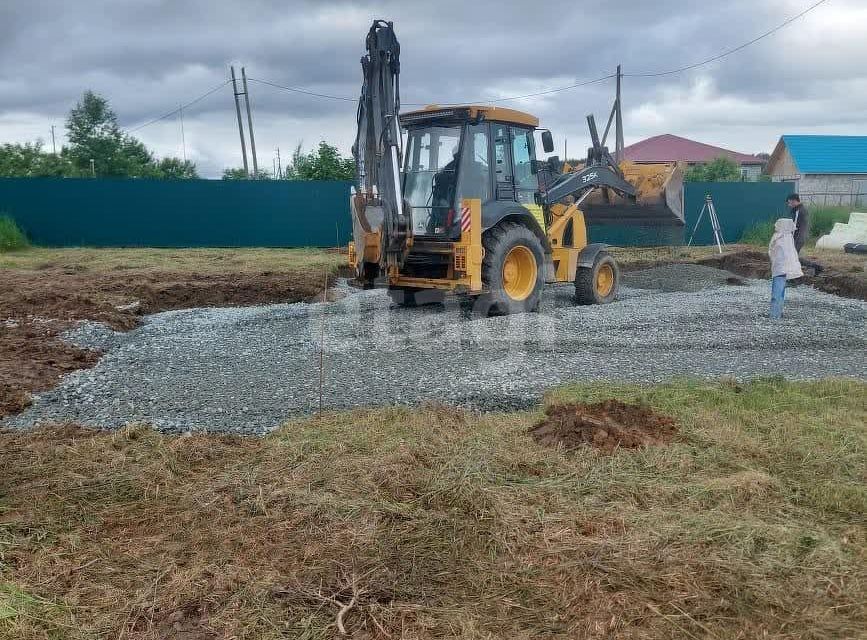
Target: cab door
x,y
525,179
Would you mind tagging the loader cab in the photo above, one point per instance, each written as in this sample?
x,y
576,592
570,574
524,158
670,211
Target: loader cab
x,y
454,153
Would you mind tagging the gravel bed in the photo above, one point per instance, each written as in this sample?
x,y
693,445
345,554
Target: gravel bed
x,y
249,369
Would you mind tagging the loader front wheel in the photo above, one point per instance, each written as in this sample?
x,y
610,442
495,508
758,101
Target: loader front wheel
x,y
513,269
597,284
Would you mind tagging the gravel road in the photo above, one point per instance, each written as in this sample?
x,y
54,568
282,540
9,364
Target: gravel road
x,y
249,369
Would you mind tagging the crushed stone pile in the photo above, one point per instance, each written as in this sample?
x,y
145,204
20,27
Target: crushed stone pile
x,y
689,278
248,369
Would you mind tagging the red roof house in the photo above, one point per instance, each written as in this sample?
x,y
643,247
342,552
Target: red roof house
x,y
671,148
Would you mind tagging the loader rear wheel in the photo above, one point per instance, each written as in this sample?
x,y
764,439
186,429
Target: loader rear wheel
x,y
512,270
597,284
414,297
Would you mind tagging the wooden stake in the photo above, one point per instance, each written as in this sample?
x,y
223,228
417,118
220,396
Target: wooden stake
x,y
322,343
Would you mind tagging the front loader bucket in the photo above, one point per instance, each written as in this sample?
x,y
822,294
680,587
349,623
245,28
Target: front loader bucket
x,y
659,198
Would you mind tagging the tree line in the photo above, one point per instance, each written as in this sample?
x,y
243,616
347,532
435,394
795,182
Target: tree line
x,y
98,147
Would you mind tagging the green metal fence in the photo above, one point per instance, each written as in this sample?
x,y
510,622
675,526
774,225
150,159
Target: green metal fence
x,y
620,235
280,213
178,213
739,206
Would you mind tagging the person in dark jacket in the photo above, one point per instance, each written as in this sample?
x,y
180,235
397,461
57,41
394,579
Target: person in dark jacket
x,y
801,218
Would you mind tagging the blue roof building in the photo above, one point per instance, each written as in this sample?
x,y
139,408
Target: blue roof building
x,y
828,170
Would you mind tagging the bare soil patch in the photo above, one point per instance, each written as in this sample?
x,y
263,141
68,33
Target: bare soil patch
x,y
608,425
37,305
755,264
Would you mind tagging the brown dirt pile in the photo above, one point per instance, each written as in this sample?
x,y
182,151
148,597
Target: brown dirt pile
x,y
607,425
756,264
36,306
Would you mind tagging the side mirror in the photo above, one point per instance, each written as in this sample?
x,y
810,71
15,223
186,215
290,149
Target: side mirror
x,y
547,141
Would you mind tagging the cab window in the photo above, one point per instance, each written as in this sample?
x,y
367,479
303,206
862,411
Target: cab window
x,y
522,155
503,162
475,168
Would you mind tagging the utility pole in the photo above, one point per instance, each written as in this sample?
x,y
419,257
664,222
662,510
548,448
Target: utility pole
x,y
183,137
616,118
618,149
240,123
250,124
565,149
53,142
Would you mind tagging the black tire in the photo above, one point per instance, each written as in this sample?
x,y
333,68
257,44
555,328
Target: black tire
x,y
587,281
414,297
499,242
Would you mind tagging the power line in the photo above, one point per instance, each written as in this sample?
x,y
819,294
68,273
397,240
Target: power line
x,y
782,25
654,74
419,104
304,91
649,74
555,90
182,107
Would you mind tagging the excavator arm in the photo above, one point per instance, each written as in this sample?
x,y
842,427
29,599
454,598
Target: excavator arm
x,y
378,205
601,172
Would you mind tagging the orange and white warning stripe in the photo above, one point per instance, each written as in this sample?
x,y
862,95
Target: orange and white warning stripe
x,y
465,219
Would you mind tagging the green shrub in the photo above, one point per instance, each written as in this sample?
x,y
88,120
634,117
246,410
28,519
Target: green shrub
x,y
822,219
11,237
719,170
759,234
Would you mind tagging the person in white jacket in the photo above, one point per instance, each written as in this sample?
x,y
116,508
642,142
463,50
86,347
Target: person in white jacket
x,y
784,263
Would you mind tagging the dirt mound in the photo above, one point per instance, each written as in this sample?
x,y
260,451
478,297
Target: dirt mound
x,y
32,358
648,179
36,306
747,264
607,425
756,264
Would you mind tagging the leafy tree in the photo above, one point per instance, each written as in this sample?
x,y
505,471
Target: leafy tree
x,y
721,169
325,163
176,169
30,161
94,134
238,173
234,173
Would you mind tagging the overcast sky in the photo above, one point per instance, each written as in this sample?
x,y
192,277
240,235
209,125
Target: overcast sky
x,y
149,56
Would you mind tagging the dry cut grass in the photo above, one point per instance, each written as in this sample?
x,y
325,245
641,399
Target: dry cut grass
x,y
439,523
201,261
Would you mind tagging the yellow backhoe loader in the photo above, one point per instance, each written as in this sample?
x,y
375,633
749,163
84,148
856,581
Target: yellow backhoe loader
x,y
467,207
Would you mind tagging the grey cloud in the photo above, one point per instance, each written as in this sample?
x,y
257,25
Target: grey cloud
x,y
147,56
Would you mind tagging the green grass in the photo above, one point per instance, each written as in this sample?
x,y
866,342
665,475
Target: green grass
x,y
438,522
11,237
822,220
758,235
20,611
